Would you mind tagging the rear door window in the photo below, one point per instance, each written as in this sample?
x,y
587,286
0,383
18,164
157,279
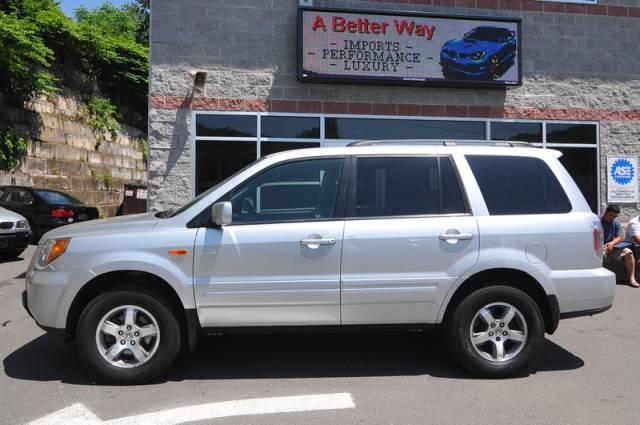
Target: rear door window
x,y
52,197
19,197
518,185
405,186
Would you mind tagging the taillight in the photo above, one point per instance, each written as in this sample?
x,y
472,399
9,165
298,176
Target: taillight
x,y
598,239
62,213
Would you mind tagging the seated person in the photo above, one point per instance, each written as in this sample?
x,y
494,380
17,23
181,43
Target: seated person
x,y
613,235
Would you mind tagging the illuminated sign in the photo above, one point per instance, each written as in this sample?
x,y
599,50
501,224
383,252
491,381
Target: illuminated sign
x,y
349,46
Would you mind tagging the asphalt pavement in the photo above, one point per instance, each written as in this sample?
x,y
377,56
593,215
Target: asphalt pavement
x,y
589,373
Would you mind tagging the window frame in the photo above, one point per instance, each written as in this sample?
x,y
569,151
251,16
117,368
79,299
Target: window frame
x,y
350,211
324,142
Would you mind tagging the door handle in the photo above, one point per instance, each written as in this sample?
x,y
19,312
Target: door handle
x,y
315,242
457,236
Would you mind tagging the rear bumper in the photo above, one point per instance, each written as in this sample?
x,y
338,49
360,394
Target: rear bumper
x,y
585,312
584,292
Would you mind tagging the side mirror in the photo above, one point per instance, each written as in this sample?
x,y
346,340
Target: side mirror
x,y
221,213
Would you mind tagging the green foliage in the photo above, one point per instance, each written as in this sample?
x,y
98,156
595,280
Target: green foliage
x,y
106,179
101,115
143,147
142,11
113,54
107,45
12,147
24,59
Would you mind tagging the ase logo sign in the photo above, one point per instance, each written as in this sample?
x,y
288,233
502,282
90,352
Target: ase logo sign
x,y
623,182
622,171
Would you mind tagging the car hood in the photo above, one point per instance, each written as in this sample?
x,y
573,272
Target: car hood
x,y
114,225
471,46
7,215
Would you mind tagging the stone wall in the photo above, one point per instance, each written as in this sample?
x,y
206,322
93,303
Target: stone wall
x,y
580,62
65,154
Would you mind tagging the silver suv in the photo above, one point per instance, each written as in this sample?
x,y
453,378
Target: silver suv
x,y
496,243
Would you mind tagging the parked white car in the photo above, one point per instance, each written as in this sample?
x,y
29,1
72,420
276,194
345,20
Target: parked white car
x,y
495,243
15,234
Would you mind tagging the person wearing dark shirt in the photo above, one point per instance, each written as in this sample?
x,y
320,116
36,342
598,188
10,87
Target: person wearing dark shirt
x,y
613,235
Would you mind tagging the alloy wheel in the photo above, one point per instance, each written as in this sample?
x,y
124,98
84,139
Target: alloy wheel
x,y
498,332
127,336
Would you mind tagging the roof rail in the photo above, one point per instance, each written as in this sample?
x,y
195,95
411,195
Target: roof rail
x,y
440,142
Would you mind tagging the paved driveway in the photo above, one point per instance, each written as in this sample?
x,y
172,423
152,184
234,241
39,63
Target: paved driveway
x,y
589,373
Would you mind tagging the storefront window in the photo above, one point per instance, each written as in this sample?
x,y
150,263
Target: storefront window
x,y
226,142
226,125
582,164
386,129
217,160
517,131
267,148
571,133
290,127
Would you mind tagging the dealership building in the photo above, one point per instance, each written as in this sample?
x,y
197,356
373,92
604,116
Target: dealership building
x,y
232,81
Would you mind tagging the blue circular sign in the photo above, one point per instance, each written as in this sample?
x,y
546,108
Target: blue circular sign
x,y
622,171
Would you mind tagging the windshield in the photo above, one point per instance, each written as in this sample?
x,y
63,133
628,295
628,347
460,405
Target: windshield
x,y
484,34
205,193
51,197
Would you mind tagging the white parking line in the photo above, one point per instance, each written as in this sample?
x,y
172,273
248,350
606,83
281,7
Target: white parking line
x,y
79,414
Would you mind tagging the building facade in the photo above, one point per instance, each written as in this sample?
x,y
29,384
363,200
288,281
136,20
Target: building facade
x,y
225,88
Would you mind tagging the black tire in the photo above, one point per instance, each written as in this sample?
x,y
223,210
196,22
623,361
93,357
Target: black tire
x,y
472,356
164,355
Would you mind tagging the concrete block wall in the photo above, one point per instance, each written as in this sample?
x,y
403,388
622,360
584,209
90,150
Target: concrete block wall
x,y
65,154
580,62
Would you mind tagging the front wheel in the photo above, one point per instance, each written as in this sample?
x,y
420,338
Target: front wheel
x,y
128,337
496,332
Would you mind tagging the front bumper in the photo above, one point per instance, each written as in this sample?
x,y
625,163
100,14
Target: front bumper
x,y
465,68
25,304
15,241
50,294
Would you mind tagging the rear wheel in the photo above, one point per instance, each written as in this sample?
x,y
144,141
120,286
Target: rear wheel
x,y
127,337
496,332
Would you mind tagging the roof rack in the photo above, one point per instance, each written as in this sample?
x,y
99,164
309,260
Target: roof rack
x,y
440,142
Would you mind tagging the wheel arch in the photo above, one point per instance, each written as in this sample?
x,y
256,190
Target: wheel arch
x,y
132,279
518,279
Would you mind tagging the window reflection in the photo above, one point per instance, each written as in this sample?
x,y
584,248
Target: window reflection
x,y
517,131
217,160
290,127
226,125
267,148
381,129
582,164
571,133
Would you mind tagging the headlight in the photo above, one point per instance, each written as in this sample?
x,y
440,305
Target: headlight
x,y
52,249
478,55
22,224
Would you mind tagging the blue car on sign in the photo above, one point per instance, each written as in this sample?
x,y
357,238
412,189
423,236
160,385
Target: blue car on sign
x,y
483,53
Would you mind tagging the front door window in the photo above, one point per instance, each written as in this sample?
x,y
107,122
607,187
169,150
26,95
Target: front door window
x,y
295,191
